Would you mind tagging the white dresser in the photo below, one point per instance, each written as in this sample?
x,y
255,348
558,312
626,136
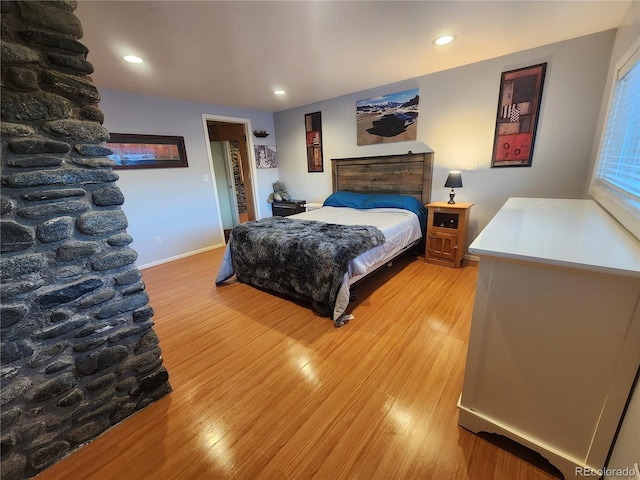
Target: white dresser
x,y
555,336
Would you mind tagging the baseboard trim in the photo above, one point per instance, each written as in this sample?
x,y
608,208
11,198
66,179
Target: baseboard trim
x,y
182,255
471,257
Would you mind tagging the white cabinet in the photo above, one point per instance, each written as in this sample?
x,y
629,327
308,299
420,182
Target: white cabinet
x,y
555,337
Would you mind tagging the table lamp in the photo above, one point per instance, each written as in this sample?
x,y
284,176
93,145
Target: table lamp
x,y
454,180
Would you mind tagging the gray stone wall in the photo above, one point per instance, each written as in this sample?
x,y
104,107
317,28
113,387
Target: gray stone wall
x,y
241,195
78,350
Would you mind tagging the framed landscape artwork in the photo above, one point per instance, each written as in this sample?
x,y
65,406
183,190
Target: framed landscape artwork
x,y
388,118
146,151
518,108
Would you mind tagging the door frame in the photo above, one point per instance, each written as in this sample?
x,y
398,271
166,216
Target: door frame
x,y
250,155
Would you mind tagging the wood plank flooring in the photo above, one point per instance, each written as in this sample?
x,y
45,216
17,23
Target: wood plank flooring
x,y
265,389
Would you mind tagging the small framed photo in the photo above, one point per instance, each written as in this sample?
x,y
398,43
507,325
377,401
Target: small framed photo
x,y
266,156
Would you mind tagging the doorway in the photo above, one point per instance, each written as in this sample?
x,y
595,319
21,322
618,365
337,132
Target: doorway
x,y
232,171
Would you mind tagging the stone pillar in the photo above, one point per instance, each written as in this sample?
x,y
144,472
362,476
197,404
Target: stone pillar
x,y
78,349
241,196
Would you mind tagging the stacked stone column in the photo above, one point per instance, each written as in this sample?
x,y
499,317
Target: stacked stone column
x,y
78,349
241,195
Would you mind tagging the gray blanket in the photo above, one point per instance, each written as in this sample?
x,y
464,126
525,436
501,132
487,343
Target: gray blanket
x,y
303,259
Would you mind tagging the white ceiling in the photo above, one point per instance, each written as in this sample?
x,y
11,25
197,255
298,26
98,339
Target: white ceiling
x,y
236,53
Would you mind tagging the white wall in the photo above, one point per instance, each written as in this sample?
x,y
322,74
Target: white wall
x,y
176,204
626,451
457,120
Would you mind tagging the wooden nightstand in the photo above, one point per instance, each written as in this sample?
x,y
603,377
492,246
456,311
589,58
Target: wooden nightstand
x,y
447,233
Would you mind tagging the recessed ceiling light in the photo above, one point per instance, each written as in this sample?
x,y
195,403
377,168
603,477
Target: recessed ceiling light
x,y
279,92
444,39
132,59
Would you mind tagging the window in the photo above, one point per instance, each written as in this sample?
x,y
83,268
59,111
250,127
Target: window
x,y
616,181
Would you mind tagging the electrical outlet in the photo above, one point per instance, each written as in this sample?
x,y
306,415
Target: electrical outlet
x,y
158,240
205,177
472,167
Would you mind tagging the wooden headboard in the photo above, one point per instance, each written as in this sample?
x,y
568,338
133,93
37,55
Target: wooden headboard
x,y
406,174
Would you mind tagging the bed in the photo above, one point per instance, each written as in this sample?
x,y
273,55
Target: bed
x,y
375,213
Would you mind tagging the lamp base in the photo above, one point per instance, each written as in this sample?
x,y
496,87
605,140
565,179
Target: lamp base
x,y
451,195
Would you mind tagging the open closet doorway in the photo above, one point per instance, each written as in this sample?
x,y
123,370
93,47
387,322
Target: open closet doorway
x,y
231,164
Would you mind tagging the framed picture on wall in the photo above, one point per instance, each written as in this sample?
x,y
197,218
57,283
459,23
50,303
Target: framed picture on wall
x,y
518,108
266,156
313,131
146,151
388,118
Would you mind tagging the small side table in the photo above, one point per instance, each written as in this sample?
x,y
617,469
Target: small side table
x,y
286,208
447,233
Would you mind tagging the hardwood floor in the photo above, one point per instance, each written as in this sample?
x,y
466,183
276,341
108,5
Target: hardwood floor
x,y
265,389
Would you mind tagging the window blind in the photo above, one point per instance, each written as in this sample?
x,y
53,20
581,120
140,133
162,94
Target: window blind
x,y
620,155
615,182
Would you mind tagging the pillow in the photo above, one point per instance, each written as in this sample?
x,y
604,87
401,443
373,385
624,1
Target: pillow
x,y
378,200
346,199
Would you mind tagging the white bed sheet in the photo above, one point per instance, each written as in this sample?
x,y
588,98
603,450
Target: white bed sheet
x,y
401,228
